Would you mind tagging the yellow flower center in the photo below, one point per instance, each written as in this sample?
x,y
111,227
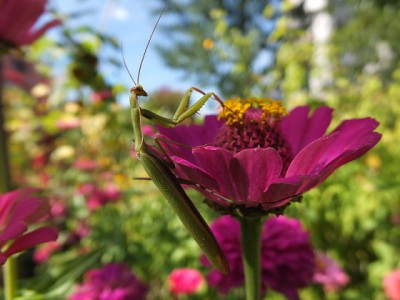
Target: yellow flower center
x,y
251,123
234,110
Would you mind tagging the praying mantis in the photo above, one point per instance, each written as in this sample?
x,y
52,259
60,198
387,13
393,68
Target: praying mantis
x,y
160,173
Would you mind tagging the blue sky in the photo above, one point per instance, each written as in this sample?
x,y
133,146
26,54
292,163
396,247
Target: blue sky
x,y
131,22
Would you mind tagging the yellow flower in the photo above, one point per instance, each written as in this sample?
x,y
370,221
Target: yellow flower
x,y
234,110
373,161
208,44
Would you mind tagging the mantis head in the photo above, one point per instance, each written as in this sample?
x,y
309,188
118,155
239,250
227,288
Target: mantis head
x,y
138,90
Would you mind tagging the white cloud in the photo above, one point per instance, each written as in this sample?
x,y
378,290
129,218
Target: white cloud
x,y
118,13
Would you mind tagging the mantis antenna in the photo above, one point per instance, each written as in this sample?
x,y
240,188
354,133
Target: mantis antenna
x,y
148,42
126,67
145,50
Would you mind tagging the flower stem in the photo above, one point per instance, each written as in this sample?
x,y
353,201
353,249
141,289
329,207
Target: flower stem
x,y
9,269
4,163
10,278
251,248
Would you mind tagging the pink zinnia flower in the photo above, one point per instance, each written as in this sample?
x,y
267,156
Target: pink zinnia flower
x,y
18,210
39,161
99,96
329,273
81,231
22,73
97,197
111,282
17,19
257,159
44,252
85,164
58,210
287,257
68,123
391,285
185,281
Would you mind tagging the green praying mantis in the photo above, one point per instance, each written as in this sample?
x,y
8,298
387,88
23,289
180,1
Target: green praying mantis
x,y
160,173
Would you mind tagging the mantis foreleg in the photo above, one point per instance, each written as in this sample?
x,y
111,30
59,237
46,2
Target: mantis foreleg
x,y
183,111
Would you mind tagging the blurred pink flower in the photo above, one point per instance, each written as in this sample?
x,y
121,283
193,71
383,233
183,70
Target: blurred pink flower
x,y
329,273
287,257
391,285
44,252
97,197
39,161
111,192
82,230
111,282
22,73
254,158
185,282
17,19
58,208
18,210
70,123
99,96
85,164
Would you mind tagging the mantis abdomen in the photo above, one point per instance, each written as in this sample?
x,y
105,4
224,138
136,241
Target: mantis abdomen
x,y
167,183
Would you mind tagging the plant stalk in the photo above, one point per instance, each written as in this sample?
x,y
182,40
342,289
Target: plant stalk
x,y
251,249
5,183
10,279
9,269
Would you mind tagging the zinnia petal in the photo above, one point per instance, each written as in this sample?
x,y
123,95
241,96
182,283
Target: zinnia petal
x,y
217,163
253,170
187,171
194,135
312,158
299,129
17,19
33,36
33,238
281,191
349,141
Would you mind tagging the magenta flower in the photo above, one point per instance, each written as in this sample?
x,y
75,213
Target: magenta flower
x,y
185,282
287,257
257,159
99,96
329,273
18,210
85,164
58,210
97,197
43,253
111,282
68,123
17,19
391,285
